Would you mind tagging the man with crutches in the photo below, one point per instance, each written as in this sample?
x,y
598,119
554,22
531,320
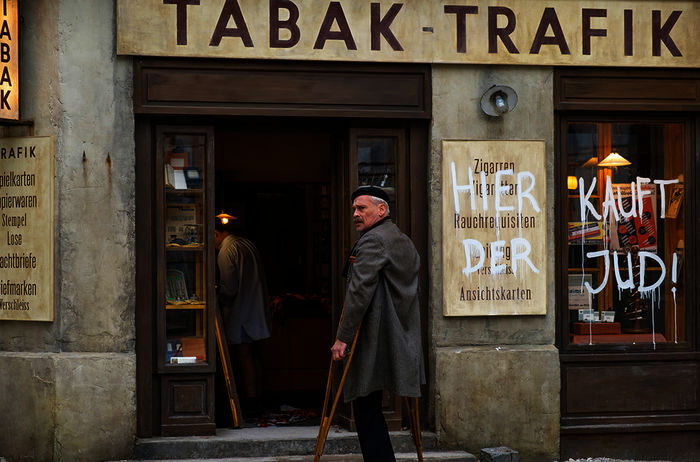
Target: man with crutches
x,y
382,302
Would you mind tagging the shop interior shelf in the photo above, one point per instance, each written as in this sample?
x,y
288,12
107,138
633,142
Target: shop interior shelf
x,y
185,248
185,306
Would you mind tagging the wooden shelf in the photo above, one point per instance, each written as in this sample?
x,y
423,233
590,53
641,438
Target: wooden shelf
x,y
185,306
184,248
184,192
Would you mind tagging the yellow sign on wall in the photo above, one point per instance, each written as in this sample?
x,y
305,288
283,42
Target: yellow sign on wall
x,y
647,33
494,210
26,228
9,61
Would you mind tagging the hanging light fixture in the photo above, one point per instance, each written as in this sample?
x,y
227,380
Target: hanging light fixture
x,y
571,182
225,217
613,160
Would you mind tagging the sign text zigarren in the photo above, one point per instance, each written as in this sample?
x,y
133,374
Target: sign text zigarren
x,y
502,23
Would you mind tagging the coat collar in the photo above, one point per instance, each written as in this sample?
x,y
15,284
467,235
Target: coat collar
x,y
385,219
351,258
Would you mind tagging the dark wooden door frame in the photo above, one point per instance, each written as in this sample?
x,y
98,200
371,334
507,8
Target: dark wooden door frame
x,y
275,88
192,92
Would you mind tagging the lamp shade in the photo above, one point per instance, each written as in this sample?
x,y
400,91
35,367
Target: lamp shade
x,y
225,217
592,162
613,160
571,182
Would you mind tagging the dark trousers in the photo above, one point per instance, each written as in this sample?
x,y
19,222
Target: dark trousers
x,y
371,428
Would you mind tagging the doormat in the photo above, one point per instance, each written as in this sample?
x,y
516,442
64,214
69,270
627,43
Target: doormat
x,y
289,416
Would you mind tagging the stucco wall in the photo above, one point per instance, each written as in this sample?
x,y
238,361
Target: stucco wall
x,y
493,374
69,385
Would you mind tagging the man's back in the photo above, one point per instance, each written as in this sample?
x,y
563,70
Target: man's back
x,y
242,290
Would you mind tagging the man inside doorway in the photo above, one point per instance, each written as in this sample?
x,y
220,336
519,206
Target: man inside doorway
x,y
243,301
382,302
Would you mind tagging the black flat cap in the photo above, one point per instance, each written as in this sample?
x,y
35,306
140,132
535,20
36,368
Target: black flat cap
x,y
374,191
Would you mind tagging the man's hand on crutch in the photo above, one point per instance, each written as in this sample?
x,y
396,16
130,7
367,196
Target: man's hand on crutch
x,y
339,350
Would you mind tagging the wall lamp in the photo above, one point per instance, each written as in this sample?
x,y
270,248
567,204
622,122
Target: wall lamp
x,y
498,100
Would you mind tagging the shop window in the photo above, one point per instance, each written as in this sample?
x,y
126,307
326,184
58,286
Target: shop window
x,y
184,258
625,233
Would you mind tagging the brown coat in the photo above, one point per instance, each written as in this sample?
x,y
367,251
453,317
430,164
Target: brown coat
x,y
382,292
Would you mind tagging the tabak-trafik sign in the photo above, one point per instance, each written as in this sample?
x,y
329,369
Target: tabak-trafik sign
x,y
645,33
26,228
494,228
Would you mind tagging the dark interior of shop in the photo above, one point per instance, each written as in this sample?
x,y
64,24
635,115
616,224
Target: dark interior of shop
x,y
276,180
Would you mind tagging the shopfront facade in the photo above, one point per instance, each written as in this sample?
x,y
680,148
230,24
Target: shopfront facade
x,y
558,305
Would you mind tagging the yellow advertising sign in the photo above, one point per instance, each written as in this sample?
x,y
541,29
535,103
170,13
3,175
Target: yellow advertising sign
x,y
494,225
26,228
9,61
647,33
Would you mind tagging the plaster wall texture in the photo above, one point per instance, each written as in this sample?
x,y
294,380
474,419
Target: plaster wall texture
x,y
457,114
506,399
67,407
74,395
27,404
469,370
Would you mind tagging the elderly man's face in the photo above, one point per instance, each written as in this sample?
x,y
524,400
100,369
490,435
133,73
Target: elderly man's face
x,y
365,213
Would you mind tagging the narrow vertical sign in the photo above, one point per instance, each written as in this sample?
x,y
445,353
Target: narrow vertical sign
x,y
9,61
494,228
26,228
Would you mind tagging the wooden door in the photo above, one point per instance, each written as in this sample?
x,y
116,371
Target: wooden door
x,y
377,157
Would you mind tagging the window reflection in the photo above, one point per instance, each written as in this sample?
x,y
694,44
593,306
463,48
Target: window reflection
x,y
376,165
625,233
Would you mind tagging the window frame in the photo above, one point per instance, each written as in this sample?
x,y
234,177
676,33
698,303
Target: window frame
x,y
689,273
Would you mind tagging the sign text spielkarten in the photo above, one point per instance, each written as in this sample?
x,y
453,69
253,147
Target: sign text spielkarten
x,y
26,229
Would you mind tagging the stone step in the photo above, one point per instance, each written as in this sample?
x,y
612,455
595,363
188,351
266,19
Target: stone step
x,y
448,456
272,443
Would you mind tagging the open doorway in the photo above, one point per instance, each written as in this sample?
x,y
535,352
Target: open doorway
x,y
255,116
277,178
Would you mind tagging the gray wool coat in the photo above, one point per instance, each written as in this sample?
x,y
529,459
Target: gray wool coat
x,y
242,291
382,293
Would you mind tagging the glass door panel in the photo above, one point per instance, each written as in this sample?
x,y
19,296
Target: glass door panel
x,y
185,301
378,157
376,164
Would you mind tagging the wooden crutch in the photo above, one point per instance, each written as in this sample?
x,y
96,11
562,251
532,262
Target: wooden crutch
x,y
222,345
327,419
414,417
